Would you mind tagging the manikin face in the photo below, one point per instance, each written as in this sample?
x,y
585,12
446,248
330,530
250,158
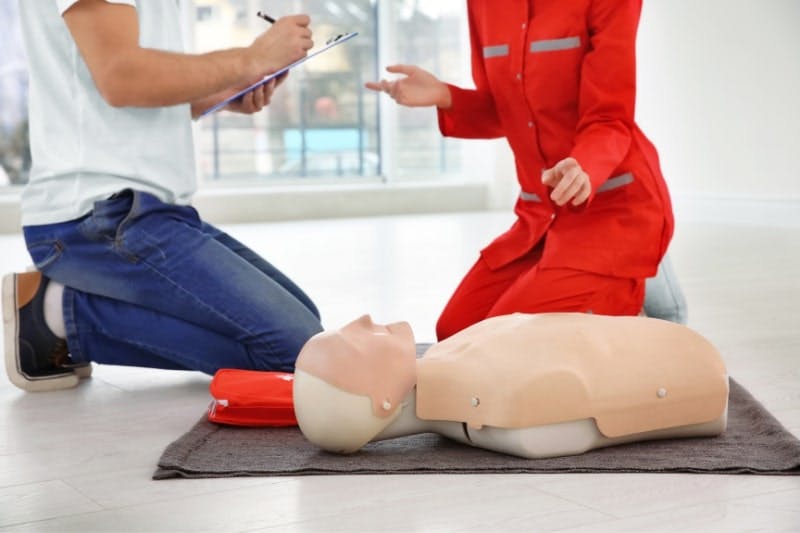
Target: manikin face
x,y
373,339
364,358
349,382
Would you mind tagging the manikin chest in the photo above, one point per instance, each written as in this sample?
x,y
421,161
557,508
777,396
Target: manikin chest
x,y
629,374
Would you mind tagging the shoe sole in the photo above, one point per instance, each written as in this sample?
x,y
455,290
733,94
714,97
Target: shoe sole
x,y
11,330
83,371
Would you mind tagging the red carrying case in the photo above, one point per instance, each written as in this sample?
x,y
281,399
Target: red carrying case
x,y
252,398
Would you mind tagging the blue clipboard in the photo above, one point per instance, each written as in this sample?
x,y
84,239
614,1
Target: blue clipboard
x,y
334,42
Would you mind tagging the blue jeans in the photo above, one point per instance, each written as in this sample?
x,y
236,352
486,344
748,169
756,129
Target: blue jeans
x,y
663,296
150,284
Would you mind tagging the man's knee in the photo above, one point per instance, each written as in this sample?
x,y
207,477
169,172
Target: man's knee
x,y
277,350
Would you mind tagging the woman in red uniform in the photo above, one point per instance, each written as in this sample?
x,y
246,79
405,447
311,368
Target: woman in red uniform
x,y
558,80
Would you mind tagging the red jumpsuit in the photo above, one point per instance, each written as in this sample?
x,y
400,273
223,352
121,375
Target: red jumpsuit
x,y
557,78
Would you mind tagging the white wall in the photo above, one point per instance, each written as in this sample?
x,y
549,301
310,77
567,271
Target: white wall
x,y
719,95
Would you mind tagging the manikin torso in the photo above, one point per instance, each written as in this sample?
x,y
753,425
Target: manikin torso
x,y
528,385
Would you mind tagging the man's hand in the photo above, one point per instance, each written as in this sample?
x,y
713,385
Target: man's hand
x,y
569,182
257,99
286,41
254,101
419,88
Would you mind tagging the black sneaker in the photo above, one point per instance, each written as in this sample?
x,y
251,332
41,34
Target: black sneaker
x,y
36,360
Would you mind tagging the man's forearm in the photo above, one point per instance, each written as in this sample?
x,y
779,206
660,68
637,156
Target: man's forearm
x,y
126,74
107,36
143,77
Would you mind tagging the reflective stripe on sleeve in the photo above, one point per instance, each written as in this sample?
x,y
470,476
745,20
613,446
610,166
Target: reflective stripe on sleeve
x,y
615,183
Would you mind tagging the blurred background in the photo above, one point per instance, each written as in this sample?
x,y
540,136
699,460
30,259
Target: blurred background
x,y
718,85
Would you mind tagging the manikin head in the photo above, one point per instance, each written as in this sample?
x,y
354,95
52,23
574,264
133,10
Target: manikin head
x,y
349,382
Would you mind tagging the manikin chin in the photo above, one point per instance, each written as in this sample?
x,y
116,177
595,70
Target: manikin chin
x,y
533,386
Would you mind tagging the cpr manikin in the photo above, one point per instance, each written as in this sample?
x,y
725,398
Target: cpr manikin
x,y
531,385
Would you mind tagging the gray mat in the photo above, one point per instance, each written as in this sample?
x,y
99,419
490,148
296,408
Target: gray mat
x,y
754,443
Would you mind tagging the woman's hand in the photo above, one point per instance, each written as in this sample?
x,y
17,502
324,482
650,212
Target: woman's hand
x,y
569,182
419,88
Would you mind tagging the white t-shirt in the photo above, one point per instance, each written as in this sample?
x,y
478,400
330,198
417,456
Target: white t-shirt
x,y
83,149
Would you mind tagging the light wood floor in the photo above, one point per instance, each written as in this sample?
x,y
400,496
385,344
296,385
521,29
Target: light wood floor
x,y
81,460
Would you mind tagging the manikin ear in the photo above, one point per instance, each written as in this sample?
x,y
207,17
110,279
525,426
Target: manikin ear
x,y
335,420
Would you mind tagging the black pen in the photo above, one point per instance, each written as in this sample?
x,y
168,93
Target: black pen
x,y
266,17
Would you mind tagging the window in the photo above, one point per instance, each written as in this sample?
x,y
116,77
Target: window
x,y
431,35
15,158
322,123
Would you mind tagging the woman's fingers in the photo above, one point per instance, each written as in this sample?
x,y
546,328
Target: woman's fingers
x,y
567,187
583,194
407,70
569,182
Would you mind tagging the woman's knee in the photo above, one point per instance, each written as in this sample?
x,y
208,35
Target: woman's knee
x,y
444,328
664,296
452,321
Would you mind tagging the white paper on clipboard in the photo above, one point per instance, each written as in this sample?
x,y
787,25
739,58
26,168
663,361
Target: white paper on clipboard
x,y
336,42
